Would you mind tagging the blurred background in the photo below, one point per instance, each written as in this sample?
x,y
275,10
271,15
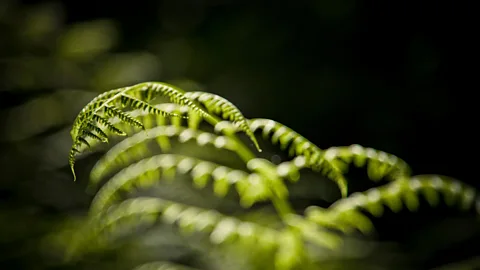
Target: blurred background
x,y
392,75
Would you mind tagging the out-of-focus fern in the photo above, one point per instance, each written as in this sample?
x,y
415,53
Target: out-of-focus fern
x,y
287,246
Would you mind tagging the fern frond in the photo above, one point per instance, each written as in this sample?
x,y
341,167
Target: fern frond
x,y
288,244
346,214
134,148
218,105
106,105
128,111
379,164
284,136
103,229
251,188
148,121
298,145
149,171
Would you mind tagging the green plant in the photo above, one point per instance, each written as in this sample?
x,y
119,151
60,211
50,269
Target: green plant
x,y
290,243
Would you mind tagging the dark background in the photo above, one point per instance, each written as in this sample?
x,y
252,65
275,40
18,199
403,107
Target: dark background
x,y
393,75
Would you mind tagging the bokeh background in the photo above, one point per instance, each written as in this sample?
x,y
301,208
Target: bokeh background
x,y
398,76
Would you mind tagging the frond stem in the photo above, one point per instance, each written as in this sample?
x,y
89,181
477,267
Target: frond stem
x,y
283,208
244,153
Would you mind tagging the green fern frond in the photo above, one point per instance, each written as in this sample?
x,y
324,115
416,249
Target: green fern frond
x,y
134,148
288,244
379,164
250,187
149,171
346,214
148,121
110,104
103,229
218,105
284,136
128,112
298,145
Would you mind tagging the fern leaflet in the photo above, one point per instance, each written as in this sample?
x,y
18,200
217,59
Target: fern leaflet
x,y
220,106
297,145
379,164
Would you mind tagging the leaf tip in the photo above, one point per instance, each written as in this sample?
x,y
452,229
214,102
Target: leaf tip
x,y
73,172
258,148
